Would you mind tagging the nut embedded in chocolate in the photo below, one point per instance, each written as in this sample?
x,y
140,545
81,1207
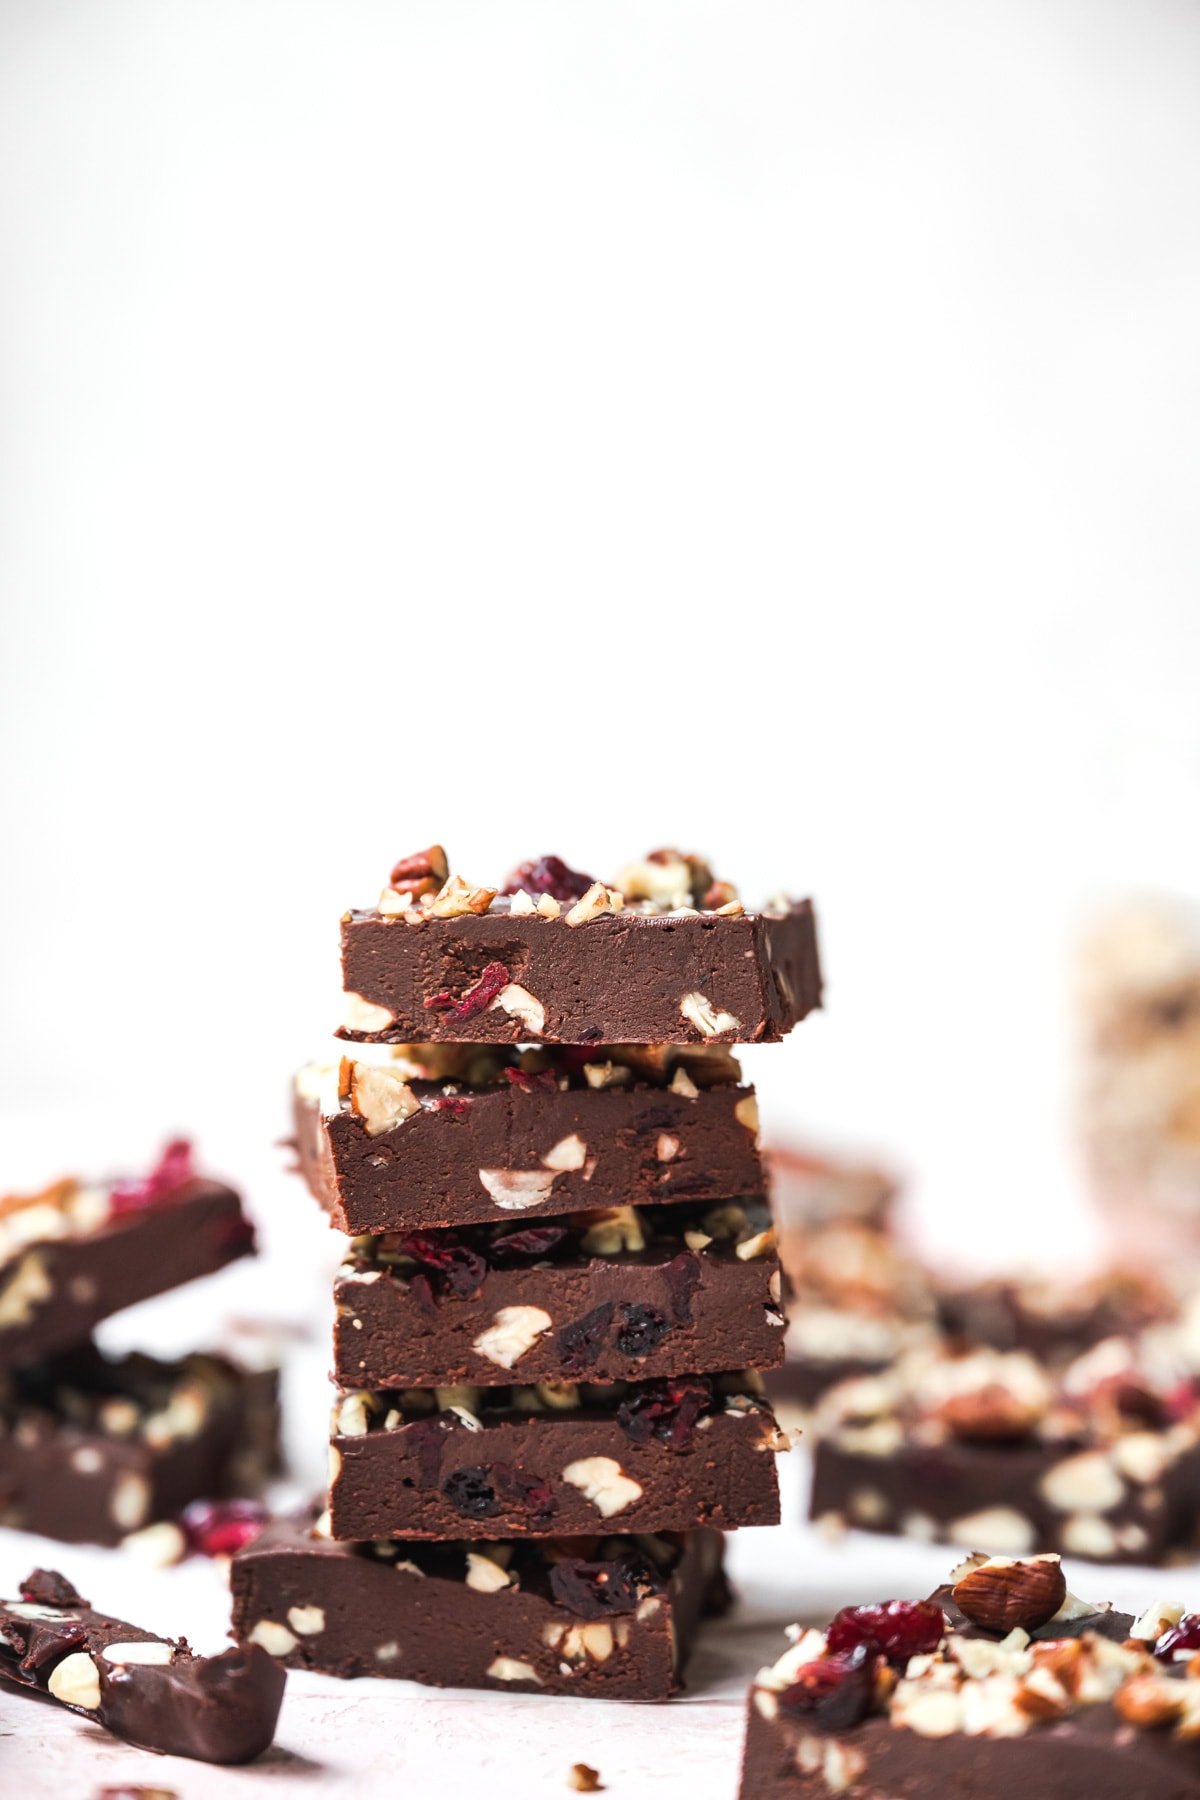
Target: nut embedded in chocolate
x,y
1002,1593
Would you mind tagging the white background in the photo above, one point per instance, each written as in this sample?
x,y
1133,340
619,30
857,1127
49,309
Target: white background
x,y
573,427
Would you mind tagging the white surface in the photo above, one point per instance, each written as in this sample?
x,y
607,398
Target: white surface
x,y
770,424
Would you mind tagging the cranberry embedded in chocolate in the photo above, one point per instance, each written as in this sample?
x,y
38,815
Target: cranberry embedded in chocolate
x,y
643,1329
835,1691
533,1242
897,1629
600,1589
470,1491
46,1587
221,1527
456,1269
665,1412
548,875
174,1167
49,1639
1183,1636
478,996
529,1084
580,1343
682,1275
529,1491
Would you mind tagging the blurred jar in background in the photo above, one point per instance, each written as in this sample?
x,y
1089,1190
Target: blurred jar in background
x,y
1139,1002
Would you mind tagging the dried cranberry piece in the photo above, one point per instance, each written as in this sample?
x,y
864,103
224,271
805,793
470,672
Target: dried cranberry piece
x,y
1183,1636
896,1629
548,875
451,1103
529,1490
533,1242
643,1329
46,1587
470,1492
833,1692
665,1412
174,1167
1180,1402
50,1639
580,1343
421,1289
454,1268
221,1527
529,1084
682,1276
597,1590
480,995
428,1438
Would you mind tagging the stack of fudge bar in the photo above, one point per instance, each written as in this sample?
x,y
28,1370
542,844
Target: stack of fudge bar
x,y
98,1449
559,1285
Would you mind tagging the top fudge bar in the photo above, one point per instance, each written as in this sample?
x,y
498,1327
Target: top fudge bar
x,y
667,956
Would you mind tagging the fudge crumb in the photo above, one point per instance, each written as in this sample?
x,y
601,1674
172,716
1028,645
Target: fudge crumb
x,y
584,1779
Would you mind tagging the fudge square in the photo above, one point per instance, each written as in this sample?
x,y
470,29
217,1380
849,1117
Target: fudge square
x,y
437,1135
554,1459
1099,1460
1002,1683
559,958
77,1252
621,1295
611,1618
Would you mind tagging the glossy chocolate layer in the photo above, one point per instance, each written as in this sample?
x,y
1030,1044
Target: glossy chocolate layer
x,y
609,1618
623,978
219,1709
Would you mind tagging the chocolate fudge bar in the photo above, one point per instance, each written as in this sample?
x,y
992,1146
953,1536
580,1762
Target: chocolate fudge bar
x,y
1003,1683
991,1450
151,1691
856,1304
643,964
612,1617
613,1296
543,1461
92,1449
459,1134
74,1254
1054,1320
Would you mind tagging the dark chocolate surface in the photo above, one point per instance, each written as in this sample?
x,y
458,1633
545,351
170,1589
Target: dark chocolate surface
x,y
1093,1755
629,1463
617,979
463,1307
219,1709
93,1448
58,1289
447,1165
946,1483
610,1618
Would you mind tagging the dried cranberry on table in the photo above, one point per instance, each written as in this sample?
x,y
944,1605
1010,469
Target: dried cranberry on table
x,y
665,1412
221,1527
835,1691
896,1629
174,1167
548,875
